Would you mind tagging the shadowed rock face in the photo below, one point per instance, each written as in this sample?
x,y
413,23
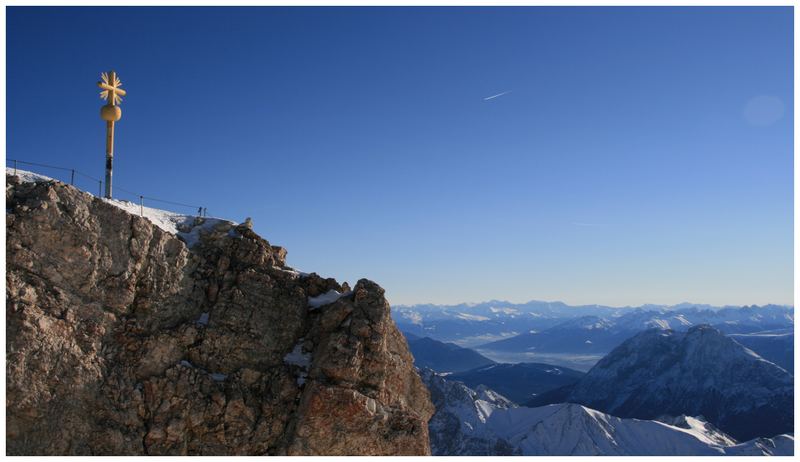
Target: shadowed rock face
x,y
121,340
699,372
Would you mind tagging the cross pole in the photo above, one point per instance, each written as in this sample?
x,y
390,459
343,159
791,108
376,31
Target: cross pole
x,y
111,112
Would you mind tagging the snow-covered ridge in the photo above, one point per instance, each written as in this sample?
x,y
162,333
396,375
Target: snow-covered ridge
x,y
481,422
572,429
187,227
28,177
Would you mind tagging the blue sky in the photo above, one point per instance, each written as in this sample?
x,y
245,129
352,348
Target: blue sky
x,y
640,154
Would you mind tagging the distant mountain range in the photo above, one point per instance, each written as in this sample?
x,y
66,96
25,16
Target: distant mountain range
x,y
444,357
482,422
546,332
585,335
729,367
697,372
519,382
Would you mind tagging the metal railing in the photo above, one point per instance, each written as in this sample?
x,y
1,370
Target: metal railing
x,y
201,211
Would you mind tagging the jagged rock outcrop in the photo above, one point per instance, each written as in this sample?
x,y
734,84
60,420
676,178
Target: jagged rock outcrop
x,y
458,428
123,340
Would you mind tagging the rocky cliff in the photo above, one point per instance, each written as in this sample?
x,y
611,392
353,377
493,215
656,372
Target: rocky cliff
x,y
125,339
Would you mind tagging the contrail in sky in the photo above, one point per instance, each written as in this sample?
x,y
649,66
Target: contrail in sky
x,y
497,95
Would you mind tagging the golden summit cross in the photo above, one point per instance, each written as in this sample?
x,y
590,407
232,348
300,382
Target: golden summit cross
x,y
111,113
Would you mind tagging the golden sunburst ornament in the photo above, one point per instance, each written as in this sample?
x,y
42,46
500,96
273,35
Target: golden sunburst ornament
x,y
111,88
111,112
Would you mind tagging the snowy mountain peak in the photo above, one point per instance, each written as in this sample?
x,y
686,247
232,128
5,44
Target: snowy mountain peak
x,y
458,428
697,372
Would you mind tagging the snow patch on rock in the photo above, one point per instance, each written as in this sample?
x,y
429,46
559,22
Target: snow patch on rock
x,y
325,299
301,360
471,317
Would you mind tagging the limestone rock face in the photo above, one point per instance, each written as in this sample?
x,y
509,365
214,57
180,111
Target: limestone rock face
x,y
122,340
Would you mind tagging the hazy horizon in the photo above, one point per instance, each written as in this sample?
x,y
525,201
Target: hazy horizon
x,y
669,305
